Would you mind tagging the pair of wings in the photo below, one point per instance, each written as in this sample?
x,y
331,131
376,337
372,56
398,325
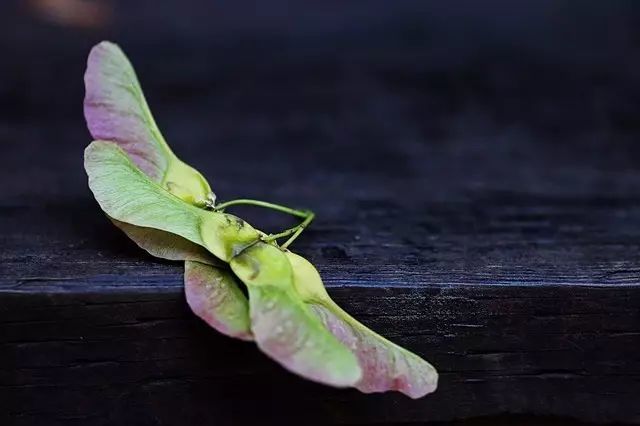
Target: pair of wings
x,y
157,200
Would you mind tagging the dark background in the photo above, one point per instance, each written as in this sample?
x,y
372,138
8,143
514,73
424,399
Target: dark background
x,y
548,88
475,169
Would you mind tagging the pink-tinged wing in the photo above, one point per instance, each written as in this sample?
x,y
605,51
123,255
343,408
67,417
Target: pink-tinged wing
x,y
211,290
283,327
166,245
115,110
214,296
385,365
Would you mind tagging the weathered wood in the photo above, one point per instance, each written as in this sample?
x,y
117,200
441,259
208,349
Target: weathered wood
x,y
126,356
482,209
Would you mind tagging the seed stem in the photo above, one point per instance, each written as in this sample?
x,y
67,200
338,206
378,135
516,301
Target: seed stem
x,y
264,204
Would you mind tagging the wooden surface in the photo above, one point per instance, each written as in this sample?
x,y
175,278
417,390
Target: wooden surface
x,y
479,205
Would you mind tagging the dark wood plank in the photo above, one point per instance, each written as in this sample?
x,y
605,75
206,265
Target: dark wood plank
x,y
127,357
477,199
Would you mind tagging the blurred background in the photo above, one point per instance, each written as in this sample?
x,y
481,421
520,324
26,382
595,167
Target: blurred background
x,y
531,96
421,122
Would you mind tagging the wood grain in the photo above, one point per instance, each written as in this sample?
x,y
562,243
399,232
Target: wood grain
x,y
479,206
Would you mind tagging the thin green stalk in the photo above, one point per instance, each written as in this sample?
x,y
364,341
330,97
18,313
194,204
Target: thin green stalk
x,y
258,203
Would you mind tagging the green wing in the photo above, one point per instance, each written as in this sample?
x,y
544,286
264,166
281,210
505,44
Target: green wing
x,y
128,195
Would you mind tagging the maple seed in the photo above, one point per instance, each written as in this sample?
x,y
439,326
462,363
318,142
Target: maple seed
x,y
168,209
